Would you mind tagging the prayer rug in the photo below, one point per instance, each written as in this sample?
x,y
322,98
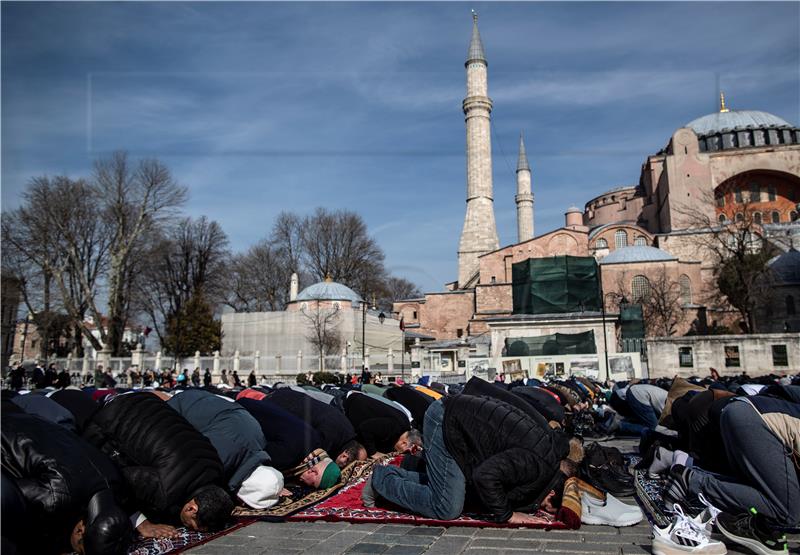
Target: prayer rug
x,y
187,540
346,506
305,496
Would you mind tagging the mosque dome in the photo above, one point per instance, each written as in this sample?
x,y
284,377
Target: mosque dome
x,y
735,129
637,253
735,120
328,291
787,266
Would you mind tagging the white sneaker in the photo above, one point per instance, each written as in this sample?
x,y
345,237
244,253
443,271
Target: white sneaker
x,y
683,535
612,512
707,516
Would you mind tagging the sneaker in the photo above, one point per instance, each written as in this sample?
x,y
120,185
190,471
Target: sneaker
x,y
684,536
748,530
706,518
677,487
609,479
611,512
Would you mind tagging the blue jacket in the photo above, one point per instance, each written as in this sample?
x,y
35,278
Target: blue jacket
x,y
235,435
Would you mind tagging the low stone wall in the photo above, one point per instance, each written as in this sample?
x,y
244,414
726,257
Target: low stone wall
x,y
758,354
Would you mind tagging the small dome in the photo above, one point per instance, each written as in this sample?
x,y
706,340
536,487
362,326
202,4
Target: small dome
x,y
735,119
637,253
573,209
787,266
328,291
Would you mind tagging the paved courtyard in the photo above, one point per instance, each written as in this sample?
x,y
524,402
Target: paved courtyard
x,y
333,538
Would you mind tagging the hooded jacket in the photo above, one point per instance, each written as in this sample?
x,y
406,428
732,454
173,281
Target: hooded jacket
x,y
508,460
163,459
56,473
233,432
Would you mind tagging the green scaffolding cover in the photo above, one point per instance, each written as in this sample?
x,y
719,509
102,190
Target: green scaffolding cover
x,y
555,285
631,321
554,344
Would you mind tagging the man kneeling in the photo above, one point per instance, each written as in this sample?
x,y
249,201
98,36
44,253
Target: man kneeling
x,y
487,447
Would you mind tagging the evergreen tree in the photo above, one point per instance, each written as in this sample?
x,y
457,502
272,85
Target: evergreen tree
x,y
193,328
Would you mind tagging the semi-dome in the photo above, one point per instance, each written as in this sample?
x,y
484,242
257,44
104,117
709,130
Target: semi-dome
x,y
328,291
787,266
637,253
734,120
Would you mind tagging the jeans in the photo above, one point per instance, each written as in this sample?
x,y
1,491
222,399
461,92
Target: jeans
x,y
766,479
645,413
439,493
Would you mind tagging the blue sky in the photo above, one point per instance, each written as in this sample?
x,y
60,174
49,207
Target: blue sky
x,y
264,107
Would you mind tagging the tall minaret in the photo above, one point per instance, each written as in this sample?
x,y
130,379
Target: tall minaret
x,y
524,198
479,235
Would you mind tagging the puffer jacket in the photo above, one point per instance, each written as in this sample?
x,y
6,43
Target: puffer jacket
x,y
235,434
56,473
508,460
163,459
478,387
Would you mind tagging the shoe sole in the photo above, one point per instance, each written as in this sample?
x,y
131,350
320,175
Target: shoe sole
x,y
660,547
618,524
753,545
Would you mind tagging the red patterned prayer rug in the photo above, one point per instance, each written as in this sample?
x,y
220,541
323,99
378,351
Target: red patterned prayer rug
x,y
347,506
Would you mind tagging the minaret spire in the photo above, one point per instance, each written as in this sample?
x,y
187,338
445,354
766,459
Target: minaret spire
x,y
722,107
524,197
479,234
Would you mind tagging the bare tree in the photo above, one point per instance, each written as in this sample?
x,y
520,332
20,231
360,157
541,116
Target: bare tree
x,y
258,280
337,245
739,251
659,297
395,289
133,200
323,333
186,261
59,246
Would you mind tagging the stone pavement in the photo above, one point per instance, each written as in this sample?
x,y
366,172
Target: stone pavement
x,y
333,538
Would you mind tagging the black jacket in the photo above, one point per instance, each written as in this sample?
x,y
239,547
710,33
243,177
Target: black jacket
x,y
508,460
378,425
164,460
289,439
78,402
415,401
56,473
334,428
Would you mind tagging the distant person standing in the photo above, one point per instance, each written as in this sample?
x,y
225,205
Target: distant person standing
x,y
196,377
236,381
207,378
224,378
251,379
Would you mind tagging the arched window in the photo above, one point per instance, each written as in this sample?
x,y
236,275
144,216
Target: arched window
x,y
722,218
640,288
640,241
686,289
776,217
757,218
739,217
601,244
793,216
772,194
790,310
620,239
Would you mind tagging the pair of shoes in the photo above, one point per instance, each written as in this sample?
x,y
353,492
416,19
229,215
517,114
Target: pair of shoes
x,y
611,512
609,478
750,531
683,535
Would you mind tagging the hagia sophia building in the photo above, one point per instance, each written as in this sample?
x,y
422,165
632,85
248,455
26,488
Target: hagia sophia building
x,y
713,168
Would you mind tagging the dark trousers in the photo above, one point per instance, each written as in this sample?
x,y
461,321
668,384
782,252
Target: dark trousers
x,y
765,476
